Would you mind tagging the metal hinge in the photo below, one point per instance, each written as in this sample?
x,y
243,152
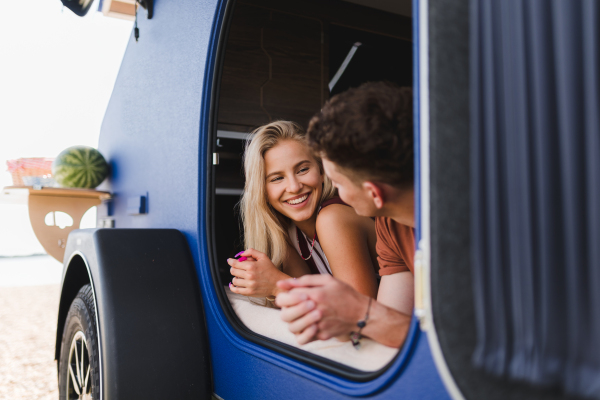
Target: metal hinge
x,y
215,158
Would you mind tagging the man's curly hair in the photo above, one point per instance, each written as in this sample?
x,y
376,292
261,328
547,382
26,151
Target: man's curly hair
x,y
368,131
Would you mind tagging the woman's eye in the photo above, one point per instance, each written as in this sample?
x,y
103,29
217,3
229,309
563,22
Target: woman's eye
x,y
303,170
276,179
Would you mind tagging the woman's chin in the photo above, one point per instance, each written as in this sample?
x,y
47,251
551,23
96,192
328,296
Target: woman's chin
x,y
299,218
303,214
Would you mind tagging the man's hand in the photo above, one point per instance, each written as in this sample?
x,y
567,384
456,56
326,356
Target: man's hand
x,y
256,276
298,313
320,307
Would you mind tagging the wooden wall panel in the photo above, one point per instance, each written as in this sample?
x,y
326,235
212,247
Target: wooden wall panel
x,y
245,69
294,47
274,68
276,63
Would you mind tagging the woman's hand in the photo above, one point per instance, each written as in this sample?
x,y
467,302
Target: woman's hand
x,y
256,276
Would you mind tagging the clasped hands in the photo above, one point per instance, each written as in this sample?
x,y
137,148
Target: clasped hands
x,y
320,307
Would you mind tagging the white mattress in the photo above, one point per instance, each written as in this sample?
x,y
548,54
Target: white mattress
x,y
265,321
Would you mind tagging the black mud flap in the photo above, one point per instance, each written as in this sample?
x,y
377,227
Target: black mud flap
x,y
152,329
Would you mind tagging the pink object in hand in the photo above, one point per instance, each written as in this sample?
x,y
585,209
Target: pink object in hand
x,y
242,259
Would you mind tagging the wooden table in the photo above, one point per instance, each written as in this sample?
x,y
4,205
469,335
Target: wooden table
x,y
47,200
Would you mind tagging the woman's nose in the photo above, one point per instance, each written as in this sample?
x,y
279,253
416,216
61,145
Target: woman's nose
x,y
294,185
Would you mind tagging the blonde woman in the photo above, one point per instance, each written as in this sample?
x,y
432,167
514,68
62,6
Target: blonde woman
x,y
294,224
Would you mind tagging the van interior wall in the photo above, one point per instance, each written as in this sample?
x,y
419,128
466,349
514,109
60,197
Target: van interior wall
x,y
278,61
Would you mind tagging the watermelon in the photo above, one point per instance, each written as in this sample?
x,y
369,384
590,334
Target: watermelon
x,y
79,167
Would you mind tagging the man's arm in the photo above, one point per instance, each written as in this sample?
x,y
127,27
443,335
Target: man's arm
x,y
397,291
322,307
386,325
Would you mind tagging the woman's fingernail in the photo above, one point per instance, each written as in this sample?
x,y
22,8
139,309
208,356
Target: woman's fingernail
x,y
242,259
239,253
229,285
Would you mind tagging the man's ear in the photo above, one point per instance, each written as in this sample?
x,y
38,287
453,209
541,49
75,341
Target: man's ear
x,y
375,192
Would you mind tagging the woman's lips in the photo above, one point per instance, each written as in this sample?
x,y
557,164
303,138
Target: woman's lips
x,y
303,197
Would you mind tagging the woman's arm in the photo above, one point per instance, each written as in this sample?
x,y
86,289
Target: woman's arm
x,y
344,235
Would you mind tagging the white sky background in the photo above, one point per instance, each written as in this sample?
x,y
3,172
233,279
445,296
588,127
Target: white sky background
x,y
57,71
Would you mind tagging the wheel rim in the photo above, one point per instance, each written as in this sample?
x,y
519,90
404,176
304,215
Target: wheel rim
x,y
79,383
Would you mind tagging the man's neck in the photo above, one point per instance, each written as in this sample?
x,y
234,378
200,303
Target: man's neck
x,y
401,207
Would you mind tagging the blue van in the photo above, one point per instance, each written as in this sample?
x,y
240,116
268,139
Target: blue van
x,y
508,199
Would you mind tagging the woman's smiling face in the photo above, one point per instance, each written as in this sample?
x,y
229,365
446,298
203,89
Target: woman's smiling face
x,y
294,180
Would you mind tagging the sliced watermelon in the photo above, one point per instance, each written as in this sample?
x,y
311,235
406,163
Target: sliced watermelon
x,y
79,167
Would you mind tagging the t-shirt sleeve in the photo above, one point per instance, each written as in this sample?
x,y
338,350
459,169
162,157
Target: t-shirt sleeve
x,y
388,254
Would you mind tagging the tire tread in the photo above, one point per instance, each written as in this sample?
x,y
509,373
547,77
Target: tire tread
x,y
82,307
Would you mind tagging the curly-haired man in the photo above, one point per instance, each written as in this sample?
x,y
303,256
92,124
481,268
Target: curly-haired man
x,y
365,138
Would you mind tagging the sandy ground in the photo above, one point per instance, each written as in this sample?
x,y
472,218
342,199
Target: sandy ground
x,y
29,292
27,333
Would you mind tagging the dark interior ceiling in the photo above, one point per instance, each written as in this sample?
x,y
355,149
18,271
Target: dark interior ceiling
x,y
401,7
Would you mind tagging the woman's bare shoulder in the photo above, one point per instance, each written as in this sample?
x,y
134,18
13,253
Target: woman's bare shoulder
x,y
338,215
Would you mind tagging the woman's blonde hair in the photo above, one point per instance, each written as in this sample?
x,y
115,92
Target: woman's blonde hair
x,y
265,229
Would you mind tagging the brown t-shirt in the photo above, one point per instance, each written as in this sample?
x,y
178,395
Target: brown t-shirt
x,y
395,246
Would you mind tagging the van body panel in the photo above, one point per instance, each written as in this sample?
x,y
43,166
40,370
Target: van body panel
x,y
156,135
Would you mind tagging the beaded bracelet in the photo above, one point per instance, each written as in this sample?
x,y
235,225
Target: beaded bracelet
x,y
356,336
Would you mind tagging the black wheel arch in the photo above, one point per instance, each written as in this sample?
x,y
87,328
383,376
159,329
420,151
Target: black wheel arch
x,y
75,276
151,324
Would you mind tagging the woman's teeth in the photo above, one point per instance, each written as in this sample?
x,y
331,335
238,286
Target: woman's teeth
x,y
298,201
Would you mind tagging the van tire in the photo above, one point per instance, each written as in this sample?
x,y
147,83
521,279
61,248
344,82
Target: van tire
x,y
80,330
